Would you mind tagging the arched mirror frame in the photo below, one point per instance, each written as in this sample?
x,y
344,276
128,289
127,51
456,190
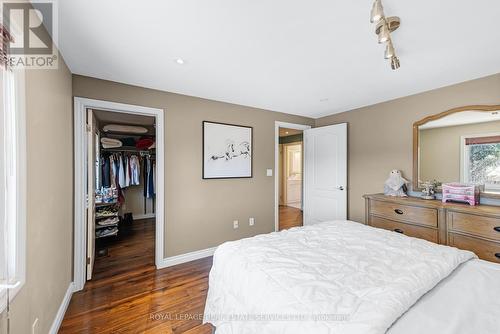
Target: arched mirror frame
x,y
481,108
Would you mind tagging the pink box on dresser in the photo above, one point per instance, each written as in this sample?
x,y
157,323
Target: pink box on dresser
x,y
458,192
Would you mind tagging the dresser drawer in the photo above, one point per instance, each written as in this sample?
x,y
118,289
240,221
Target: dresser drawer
x,y
481,226
421,232
401,212
486,250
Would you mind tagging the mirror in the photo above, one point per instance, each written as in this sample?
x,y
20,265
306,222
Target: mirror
x,y
459,145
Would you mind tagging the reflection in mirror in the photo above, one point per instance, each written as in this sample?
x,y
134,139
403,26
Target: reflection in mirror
x,y
461,147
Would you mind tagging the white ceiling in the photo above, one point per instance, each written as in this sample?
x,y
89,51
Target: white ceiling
x,y
284,132
309,58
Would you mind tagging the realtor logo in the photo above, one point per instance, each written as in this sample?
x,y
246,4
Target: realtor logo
x,y
33,27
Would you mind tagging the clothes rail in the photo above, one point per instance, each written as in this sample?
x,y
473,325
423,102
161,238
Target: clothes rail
x,y
118,150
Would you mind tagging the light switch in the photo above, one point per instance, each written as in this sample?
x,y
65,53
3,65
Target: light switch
x,y
251,221
269,172
235,224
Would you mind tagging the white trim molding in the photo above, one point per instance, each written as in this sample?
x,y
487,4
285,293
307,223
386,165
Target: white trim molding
x,y
80,148
183,258
13,185
277,126
56,324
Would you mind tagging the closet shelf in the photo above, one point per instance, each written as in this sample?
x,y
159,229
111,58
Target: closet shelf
x,y
107,235
132,149
98,227
104,204
107,216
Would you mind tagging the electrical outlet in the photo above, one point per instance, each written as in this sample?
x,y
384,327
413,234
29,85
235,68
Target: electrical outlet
x,y
34,327
251,221
236,224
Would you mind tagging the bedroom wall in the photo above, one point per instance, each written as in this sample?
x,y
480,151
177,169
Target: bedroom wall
x,y
380,136
200,213
444,165
49,129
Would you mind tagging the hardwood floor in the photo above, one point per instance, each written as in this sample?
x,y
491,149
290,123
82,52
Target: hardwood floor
x,y
289,217
128,295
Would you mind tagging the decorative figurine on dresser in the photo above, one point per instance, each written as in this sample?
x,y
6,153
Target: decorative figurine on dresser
x,y
395,185
429,189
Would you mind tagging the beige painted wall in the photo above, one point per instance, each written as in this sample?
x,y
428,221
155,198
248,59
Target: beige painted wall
x,y
440,149
134,200
49,127
200,213
380,136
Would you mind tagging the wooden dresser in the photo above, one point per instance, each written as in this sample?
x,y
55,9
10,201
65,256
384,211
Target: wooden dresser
x,y
475,228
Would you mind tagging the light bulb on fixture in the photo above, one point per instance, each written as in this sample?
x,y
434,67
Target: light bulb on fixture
x,y
395,63
383,35
389,50
377,12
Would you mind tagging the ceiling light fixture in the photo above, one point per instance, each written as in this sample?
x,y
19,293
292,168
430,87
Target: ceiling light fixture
x,y
179,61
377,11
389,50
383,29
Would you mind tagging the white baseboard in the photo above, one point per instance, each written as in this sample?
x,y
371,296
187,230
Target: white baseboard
x,y
143,216
62,310
183,258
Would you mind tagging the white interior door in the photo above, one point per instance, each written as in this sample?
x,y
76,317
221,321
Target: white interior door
x,y
91,144
325,174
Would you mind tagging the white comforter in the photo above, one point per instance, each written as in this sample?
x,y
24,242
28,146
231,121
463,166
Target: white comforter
x,y
334,277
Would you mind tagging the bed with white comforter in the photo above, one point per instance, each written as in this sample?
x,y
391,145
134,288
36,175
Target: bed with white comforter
x,y
334,277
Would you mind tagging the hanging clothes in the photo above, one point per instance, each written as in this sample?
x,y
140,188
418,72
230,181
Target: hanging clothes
x,y
145,173
151,187
121,172
134,170
105,171
127,171
149,177
113,171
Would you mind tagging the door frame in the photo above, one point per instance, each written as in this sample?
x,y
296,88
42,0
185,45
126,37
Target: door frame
x,y
277,126
80,166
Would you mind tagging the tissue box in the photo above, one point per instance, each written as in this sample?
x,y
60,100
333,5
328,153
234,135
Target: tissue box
x,y
457,192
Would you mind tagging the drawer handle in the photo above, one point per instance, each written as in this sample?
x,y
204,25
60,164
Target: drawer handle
x,y
497,255
497,228
398,230
398,211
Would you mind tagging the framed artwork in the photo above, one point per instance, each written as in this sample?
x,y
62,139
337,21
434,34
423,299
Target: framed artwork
x,y
227,151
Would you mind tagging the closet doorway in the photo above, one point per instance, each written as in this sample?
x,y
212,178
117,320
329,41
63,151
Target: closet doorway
x,y
119,189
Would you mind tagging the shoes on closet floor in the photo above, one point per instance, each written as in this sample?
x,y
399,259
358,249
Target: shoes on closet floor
x,y
109,221
106,232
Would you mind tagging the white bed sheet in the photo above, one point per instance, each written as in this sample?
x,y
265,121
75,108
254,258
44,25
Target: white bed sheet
x,y
335,268
466,302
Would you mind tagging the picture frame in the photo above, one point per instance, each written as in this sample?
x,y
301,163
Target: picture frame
x,y
227,151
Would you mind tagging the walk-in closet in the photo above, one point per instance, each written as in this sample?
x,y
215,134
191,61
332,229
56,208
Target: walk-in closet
x,y
122,177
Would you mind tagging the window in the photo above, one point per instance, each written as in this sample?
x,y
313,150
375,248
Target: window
x,y
481,161
12,184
